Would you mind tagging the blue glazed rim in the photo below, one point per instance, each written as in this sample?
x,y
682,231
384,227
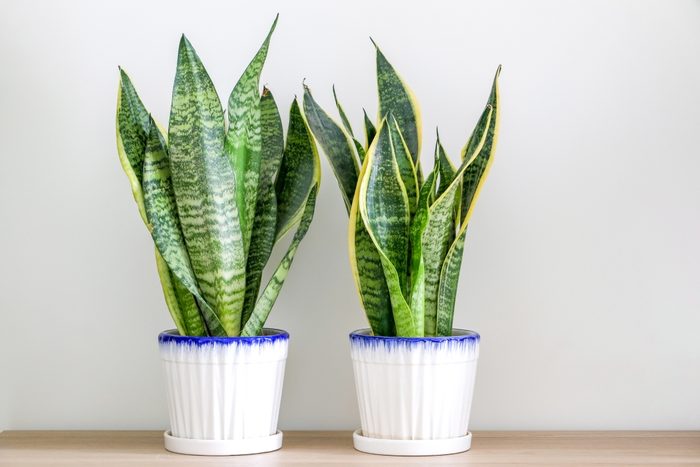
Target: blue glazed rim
x,y
269,336
463,335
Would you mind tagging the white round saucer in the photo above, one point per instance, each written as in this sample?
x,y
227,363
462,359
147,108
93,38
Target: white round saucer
x,y
208,447
411,447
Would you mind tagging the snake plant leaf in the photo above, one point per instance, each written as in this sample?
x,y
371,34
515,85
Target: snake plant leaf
x,y
417,266
343,117
369,275
370,130
180,302
203,182
263,235
255,323
299,171
435,241
161,210
243,137
368,271
336,144
480,151
447,174
132,125
383,205
406,167
346,124
396,97
473,176
447,169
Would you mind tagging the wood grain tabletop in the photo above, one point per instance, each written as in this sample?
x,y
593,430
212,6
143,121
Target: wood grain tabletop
x,y
145,448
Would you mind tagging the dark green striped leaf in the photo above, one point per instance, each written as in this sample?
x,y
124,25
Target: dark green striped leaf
x,y
336,144
405,163
396,97
370,130
181,303
132,126
267,299
343,117
346,123
478,154
384,208
243,137
263,236
161,210
203,182
299,171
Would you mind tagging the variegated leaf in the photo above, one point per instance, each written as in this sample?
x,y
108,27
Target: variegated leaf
x,y
243,138
417,266
132,127
406,167
370,130
478,154
203,182
161,210
396,97
299,172
263,236
267,299
384,208
337,145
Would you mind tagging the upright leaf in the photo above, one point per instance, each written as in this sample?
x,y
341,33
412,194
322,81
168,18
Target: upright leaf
x,y
343,117
336,144
203,182
299,171
370,130
346,123
181,303
396,97
161,210
417,264
384,208
132,127
255,324
243,137
406,167
447,169
478,153
263,236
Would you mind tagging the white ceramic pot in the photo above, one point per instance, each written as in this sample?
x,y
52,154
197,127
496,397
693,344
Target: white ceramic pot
x,y
224,392
414,393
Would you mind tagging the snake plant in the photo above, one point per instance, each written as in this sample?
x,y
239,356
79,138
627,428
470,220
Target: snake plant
x,y
406,231
217,193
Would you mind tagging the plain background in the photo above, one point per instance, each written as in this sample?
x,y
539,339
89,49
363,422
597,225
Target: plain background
x,y
582,268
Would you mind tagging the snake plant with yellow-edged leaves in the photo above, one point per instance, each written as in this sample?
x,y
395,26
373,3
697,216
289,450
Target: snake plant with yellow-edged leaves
x,y
406,231
218,192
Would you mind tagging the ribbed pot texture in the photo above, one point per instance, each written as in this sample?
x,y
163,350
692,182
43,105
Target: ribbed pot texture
x,y
414,388
224,388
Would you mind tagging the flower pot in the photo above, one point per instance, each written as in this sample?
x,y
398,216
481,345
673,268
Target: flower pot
x,y
414,393
223,392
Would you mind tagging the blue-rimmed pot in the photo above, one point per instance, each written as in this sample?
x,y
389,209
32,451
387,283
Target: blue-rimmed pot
x,y
414,393
223,392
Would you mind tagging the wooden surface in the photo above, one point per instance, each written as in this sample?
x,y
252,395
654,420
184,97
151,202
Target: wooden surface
x,y
301,448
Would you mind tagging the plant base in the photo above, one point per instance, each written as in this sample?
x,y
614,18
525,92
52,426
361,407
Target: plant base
x,y
206,447
411,447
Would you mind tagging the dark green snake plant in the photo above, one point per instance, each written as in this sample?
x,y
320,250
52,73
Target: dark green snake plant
x,y
406,232
217,191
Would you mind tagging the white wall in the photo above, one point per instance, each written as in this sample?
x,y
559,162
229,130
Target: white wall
x,y
582,270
